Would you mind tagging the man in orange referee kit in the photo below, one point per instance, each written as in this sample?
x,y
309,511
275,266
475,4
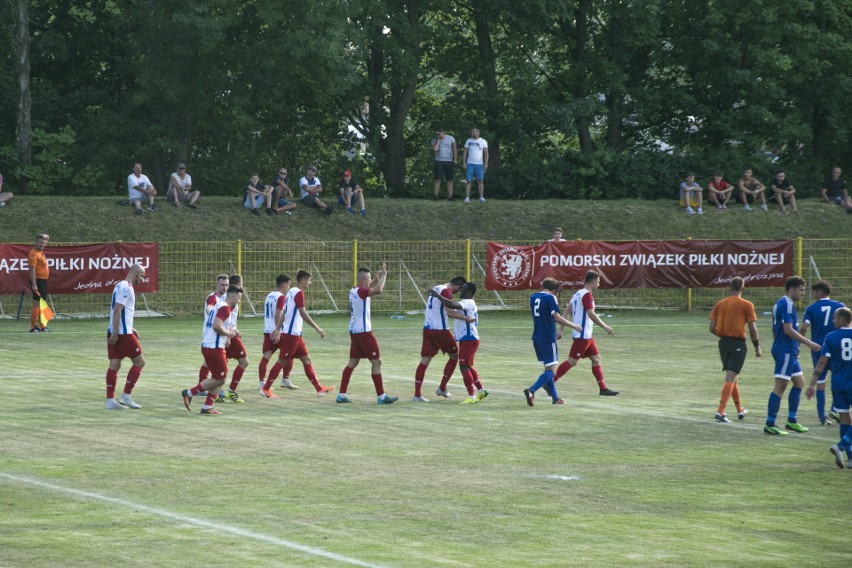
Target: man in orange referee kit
x,y
39,273
728,321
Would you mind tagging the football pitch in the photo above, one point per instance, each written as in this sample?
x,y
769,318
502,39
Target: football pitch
x,y
646,478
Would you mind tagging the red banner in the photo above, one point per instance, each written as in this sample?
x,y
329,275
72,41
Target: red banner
x,y
640,264
85,269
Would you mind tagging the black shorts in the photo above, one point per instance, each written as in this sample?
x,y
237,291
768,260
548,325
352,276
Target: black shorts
x,y
733,352
41,285
310,200
444,171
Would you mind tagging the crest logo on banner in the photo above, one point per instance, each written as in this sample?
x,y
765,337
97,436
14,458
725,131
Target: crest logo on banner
x,y
511,266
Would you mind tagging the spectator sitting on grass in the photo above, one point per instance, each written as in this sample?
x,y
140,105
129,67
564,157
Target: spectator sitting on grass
x,y
180,189
4,197
256,194
784,192
350,189
691,192
834,190
311,188
140,190
282,191
719,191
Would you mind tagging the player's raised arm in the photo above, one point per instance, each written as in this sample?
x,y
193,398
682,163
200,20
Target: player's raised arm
x,y
446,301
377,288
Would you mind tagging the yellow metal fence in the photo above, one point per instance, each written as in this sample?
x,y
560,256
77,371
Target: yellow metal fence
x,y
188,271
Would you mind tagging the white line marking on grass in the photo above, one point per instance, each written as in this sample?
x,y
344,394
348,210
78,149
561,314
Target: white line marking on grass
x,y
209,525
556,477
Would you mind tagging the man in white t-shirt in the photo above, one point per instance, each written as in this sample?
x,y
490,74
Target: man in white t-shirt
x,y
363,343
475,163
140,190
311,188
180,189
123,340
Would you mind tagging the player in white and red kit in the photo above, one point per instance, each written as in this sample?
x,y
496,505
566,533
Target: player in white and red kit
x,y
466,328
122,340
222,283
363,343
273,319
214,343
437,337
291,345
236,349
582,310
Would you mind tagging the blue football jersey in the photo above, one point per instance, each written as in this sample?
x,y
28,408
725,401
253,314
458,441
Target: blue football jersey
x,y
838,349
784,312
820,316
543,306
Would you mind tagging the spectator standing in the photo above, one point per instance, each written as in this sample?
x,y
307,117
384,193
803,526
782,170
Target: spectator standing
x,y
689,191
446,155
180,189
834,190
282,193
719,191
784,192
257,194
311,187
39,273
475,162
750,187
140,190
4,197
350,189
557,235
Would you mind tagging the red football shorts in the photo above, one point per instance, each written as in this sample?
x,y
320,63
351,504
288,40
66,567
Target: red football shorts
x,y
435,340
217,361
467,350
268,345
292,347
363,346
236,350
126,346
583,348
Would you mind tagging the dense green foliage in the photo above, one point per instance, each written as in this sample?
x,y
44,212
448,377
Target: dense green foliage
x,y
577,98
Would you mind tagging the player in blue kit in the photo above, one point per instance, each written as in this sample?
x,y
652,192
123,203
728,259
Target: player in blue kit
x,y
837,356
785,351
819,317
545,314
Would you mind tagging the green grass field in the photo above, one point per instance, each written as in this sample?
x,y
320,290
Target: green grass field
x,y
643,479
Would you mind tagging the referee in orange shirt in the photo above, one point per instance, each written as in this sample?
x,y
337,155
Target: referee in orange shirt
x,y
728,321
38,280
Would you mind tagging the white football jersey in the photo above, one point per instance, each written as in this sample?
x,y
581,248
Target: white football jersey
x,y
579,313
123,294
210,301
292,318
209,337
274,301
359,310
232,319
465,331
435,316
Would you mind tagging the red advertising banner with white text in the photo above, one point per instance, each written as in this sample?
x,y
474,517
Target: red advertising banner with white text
x,y
83,269
640,264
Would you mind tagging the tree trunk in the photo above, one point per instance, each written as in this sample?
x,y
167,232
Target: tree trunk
x,y
578,55
615,121
488,69
24,129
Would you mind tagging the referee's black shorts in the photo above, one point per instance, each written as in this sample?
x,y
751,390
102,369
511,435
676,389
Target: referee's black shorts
x,y
41,285
733,352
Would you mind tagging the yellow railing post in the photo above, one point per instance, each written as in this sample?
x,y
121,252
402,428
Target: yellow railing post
x,y
467,260
799,250
240,257
355,263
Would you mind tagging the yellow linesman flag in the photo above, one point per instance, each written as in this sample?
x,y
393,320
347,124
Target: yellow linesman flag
x,y
45,314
